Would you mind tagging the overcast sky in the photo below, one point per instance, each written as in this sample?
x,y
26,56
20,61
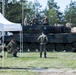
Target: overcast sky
x,y
61,3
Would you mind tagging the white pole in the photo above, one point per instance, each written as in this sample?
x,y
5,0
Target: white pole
x,y
3,7
22,13
22,41
71,13
20,45
3,48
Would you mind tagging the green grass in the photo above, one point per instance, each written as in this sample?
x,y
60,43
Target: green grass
x,y
31,60
16,72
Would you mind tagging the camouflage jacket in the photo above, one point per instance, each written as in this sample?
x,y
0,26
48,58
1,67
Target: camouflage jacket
x,y
12,46
43,39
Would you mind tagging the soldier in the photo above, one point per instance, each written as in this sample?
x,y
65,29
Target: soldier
x,y
45,20
35,19
26,20
43,41
12,47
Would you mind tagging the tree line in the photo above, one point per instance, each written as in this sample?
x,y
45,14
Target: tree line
x,y
13,11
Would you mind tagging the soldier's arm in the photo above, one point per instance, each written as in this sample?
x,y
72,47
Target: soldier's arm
x,y
17,46
39,38
46,38
9,45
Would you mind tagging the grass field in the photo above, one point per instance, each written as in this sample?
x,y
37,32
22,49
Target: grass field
x,y
31,60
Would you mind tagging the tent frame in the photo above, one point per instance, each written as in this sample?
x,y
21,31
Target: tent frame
x,y
9,26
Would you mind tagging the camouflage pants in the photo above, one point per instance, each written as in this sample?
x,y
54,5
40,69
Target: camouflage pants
x,y
43,48
14,53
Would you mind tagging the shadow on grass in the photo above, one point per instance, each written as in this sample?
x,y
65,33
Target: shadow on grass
x,y
39,57
52,57
13,68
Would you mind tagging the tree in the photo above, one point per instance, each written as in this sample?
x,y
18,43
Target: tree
x,y
51,4
33,8
53,16
36,6
14,12
70,13
29,9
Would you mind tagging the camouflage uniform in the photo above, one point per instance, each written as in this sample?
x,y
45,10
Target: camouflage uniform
x,y
26,20
45,20
43,41
35,19
12,47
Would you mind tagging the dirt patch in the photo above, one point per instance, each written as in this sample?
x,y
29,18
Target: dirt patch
x,y
56,72
45,73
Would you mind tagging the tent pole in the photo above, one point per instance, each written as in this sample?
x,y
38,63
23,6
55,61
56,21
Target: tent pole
x,y
21,43
3,7
3,48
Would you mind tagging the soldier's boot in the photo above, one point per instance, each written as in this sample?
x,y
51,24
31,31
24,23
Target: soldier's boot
x,y
45,55
40,55
15,54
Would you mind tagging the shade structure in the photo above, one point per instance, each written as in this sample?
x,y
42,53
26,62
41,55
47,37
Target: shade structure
x,y
6,25
9,26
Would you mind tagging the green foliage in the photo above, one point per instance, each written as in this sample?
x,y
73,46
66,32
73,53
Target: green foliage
x,y
53,16
70,13
51,4
36,6
14,12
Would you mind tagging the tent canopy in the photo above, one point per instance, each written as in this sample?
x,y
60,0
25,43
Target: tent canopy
x,y
6,25
1,27
9,26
